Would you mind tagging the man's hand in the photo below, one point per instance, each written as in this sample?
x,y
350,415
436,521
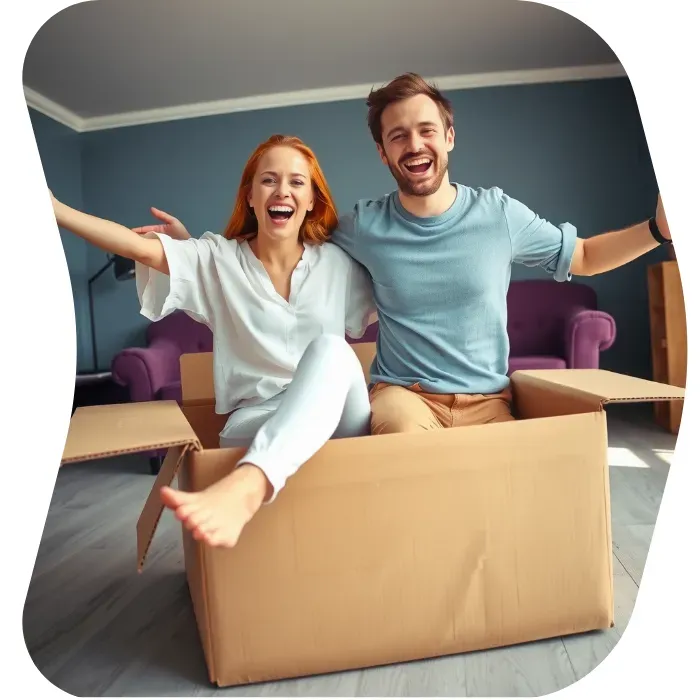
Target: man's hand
x,y
170,227
661,219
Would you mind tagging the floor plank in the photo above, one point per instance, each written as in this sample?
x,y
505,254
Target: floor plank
x,y
631,546
442,677
587,651
527,670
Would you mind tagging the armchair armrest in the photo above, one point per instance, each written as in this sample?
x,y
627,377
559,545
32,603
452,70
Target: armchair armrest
x,y
587,333
146,370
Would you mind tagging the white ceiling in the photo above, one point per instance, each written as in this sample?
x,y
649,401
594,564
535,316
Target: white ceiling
x,y
108,57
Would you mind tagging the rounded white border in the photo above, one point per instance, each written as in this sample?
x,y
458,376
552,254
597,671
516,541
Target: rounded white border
x,y
656,45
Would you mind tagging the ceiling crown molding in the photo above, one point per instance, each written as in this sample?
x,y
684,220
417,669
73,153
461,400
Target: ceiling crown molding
x,y
305,97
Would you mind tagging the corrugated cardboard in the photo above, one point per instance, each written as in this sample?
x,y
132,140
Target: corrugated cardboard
x,y
391,548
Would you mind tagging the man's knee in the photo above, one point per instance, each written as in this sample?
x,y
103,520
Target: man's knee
x,y
500,408
502,417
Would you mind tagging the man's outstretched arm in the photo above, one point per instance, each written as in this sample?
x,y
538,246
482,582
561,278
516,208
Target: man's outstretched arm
x,y
608,251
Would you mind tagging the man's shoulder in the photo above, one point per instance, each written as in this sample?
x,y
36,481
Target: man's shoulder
x,y
374,204
360,219
368,210
491,195
483,204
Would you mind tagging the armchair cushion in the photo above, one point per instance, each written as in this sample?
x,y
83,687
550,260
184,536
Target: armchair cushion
x,y
535,362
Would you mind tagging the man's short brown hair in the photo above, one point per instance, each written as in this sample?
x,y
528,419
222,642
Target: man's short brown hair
x,y
401,88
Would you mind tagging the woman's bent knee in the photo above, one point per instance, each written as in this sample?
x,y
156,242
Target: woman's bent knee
x,y
335,350
328,343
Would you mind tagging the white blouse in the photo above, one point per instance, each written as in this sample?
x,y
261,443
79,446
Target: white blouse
x,y
259,337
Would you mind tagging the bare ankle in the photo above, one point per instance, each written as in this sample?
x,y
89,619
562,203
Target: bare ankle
x,y
254,479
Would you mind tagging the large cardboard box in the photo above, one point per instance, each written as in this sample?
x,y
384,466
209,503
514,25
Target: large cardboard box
x,y
393,548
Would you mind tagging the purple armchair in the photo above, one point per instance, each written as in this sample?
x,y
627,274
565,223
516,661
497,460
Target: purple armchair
x,y
153,372
554,325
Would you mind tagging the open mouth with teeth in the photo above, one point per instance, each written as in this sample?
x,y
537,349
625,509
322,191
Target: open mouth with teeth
x,y
280,213
418,166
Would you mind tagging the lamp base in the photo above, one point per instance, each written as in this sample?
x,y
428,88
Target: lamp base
x,y
92,377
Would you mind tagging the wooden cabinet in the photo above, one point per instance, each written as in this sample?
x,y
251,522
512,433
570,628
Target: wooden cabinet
x,y
669,344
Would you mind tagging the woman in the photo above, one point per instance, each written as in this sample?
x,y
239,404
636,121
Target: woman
x,y
279,300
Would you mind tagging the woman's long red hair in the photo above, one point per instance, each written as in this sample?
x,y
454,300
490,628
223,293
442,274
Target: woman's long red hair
x,y
318,223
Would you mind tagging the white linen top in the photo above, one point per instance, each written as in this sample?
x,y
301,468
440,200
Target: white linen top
x,y
259,337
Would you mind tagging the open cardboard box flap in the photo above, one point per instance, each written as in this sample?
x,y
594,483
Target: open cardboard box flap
x,y
106,431
601,385
153,509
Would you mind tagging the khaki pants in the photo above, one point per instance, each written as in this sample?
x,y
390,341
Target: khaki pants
x,y
396,409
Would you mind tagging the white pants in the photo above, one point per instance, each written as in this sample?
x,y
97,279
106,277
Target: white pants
x,y
327,398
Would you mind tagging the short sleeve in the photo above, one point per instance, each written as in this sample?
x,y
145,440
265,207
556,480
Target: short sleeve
x,y
538,243
359,301
345,234
191,266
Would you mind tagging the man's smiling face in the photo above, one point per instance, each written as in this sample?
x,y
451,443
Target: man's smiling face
x,y
415,145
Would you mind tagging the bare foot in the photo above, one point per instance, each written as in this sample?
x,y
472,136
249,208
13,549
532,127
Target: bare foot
x,y
218,514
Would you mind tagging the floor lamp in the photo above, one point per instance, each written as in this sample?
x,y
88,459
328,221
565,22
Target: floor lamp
x,y
124,269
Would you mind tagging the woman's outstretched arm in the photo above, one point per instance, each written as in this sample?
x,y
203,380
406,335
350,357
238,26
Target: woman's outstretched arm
x,y
111,237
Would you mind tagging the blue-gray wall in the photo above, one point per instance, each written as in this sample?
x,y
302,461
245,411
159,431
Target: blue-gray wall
x,y
572,152
60,152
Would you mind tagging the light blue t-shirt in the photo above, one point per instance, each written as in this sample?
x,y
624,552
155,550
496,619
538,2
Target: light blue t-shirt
x,y
440,284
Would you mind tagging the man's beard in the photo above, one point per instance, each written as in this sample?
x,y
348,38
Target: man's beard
x,y
419,189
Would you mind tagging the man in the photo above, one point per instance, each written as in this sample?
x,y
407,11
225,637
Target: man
x,y
440,256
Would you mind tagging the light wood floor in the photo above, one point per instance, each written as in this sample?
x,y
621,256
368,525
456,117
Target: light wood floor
x,y
94,627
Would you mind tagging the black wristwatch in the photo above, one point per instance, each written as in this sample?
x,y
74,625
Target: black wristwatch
x,y
654,228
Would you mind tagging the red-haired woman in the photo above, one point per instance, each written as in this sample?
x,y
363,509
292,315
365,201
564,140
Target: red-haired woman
x,y
279,300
